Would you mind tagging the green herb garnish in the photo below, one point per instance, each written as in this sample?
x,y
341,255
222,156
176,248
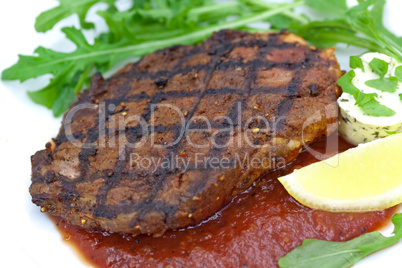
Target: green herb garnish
x,y
331,7
384,84
142,29
361,26
345,82
321,253
379,66
398,73
362,98
48,19
374,108
366,102
356,62
390,132
155,24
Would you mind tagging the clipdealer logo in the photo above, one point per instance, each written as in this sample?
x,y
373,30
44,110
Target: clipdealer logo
x,y
200,134
202,162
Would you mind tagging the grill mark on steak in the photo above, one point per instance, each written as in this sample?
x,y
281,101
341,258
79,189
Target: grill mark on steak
x,y
93,136
219,51
110,212
257,62
245,92
101,210
135,201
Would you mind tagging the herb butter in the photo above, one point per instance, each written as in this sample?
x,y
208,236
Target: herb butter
x,y
357,126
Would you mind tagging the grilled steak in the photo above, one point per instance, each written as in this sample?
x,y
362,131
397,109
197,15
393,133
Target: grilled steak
x,y
169,140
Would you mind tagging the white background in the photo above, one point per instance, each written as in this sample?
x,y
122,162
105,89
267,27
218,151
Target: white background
x,y
27,237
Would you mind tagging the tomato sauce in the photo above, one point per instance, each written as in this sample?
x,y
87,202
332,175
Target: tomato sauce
x,y
256,229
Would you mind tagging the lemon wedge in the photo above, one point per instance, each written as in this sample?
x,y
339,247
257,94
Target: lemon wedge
x,y
365,178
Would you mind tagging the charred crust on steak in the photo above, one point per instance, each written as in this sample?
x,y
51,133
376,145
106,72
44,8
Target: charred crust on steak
x,y
161,83
275,76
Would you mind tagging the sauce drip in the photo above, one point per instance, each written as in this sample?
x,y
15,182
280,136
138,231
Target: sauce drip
x,y
256,229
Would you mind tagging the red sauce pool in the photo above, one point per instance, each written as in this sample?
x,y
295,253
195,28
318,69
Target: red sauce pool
x,y
260,226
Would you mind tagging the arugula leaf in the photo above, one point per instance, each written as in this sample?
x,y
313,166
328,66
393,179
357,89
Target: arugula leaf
x,y
384,84
356,62
389,38
382,241
400,96
361,26
48,19
327,33
345,82
365,18
398,73
336,8
66,96
379,66
155,24
320,253
68,69
280,21
49,94
64,67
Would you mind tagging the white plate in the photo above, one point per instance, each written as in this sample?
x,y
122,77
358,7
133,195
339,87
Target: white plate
x,y
28,238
